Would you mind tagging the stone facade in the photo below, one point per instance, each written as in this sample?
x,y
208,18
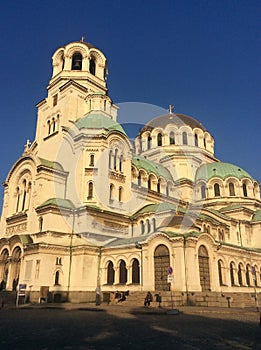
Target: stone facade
x,y
84,206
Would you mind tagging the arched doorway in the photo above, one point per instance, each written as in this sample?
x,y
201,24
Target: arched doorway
x,y
161,264
4,268
203,261
15,267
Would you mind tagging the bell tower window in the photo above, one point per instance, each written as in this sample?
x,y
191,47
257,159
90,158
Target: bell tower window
x,y
77,61
92,66
55,99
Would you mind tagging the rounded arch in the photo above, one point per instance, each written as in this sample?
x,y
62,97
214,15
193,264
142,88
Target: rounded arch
x,y
135,271
122,272
110,272
240,274
161,264
203,260
232,271
76,63
221,275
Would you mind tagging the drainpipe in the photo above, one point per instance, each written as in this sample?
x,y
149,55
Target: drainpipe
x,y
70,261
185,267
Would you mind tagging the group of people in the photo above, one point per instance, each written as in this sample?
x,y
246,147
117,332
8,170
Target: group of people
x,y
120,296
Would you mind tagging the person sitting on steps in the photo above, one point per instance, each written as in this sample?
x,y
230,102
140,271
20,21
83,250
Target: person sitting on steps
x,y
148,299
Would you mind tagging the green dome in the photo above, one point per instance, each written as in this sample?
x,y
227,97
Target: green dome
x,y
98,121
221,170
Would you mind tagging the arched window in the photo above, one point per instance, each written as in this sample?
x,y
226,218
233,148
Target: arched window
x,y
111,192
120,164
159,139
184,138
24,195
92,66
77,61
203,191
40,224
154,224
135,271
149,142
110,159
54,124
158,186
17,199
149,183
196,140
231,189
49,127
142,227
110,273
120,194
167,190
139,179
254,269
148,225
205,143
172,138
90,190
216,190
123,272
239,275
221,236
231,270
115,159
91,160
57,278
244,190
220,276
248,271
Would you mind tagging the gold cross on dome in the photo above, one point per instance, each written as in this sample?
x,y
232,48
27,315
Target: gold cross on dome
x,y
170,109
83,37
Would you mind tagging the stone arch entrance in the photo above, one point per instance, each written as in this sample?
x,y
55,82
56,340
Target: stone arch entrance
x,y
203,261
15,267
161,264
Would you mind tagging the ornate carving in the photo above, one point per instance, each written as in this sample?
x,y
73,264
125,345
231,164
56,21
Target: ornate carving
x,y
117,176
16,228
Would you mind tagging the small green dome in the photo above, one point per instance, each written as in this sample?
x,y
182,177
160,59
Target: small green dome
x,y
151,167
221,170
98,121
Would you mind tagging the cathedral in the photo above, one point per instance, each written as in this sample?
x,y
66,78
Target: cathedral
x,y
86,207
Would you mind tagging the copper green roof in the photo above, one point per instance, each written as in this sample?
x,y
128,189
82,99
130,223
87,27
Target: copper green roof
x,y
152,208
151,167
96,120
57,202
50,164
221,170
257,216
26,239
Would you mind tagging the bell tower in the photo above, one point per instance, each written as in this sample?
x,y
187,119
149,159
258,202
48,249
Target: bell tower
x,y
81,62
77,87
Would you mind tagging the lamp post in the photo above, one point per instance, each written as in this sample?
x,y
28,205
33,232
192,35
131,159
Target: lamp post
x,y
139,246
253,271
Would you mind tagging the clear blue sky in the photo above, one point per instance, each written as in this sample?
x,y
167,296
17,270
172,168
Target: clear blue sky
x,y
201,56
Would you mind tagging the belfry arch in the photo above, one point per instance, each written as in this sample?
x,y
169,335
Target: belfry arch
x,y
161,264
